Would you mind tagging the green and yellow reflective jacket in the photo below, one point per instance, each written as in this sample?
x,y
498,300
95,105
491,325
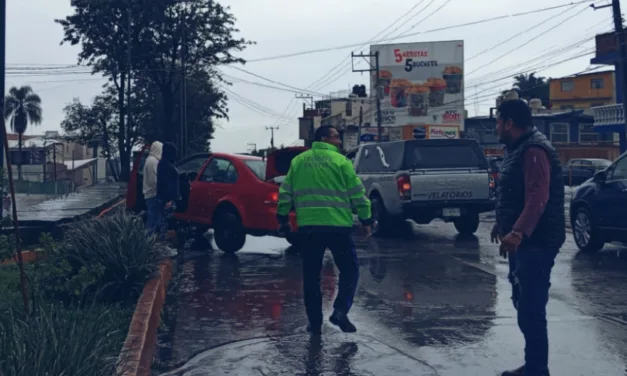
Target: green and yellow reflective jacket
x,y
321,185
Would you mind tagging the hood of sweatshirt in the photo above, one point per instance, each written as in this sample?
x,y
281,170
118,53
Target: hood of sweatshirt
x,y
168,153
156,149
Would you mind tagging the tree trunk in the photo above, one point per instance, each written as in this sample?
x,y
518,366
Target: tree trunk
x,y
124,157
169,130
19,156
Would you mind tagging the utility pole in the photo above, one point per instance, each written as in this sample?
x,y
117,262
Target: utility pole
x,y
3,32
272,129
374,69
183,105
129,114
621,65
306,97
309,141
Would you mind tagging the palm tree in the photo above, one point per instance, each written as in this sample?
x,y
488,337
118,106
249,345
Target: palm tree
x,y
22,107
529,86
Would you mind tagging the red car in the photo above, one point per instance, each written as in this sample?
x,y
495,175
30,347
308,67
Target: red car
x,y
234,194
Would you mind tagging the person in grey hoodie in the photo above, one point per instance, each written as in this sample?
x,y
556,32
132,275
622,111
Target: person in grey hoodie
x,y
154,206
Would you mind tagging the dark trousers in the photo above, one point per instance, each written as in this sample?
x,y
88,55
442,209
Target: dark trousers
x,y
530,275
345,257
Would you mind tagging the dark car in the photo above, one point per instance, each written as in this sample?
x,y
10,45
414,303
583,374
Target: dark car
x,y
597,208
577,171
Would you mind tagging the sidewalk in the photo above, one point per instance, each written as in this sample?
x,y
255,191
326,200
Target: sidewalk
x,y
68,207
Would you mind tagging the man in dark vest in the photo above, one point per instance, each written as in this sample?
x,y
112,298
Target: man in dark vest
x,y
530,224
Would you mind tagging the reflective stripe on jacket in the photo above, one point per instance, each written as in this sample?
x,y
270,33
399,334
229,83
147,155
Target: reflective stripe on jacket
x,y
321,185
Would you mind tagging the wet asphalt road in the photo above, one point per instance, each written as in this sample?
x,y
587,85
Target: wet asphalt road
x,y
429,303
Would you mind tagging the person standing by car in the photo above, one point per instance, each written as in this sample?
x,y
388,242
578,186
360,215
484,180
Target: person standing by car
x,y
530,224
322,186
149,187
168,190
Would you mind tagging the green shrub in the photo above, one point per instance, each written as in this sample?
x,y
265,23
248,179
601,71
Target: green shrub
x,y
106,259
59,341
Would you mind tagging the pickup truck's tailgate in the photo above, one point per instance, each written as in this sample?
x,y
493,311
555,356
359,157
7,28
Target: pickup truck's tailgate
x,y
450,185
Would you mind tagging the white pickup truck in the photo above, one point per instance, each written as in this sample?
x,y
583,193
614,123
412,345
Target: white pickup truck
x,y
425,179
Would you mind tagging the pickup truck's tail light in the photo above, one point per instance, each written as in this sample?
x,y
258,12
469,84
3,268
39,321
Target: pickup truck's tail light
x,y
272,198
492,184
403,183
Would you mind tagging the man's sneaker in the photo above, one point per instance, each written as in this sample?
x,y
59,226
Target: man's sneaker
x,y
315,330
171,252
341,320
516,372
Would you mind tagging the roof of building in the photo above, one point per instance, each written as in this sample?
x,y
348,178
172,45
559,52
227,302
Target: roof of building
x,y
583,74
78,163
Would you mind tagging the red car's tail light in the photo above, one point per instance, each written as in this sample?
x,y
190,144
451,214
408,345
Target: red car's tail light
x,y
272,198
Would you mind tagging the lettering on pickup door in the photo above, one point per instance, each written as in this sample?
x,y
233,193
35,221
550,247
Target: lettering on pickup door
x,y
448,195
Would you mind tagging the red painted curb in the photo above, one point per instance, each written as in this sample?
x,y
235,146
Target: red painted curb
x,y
137,353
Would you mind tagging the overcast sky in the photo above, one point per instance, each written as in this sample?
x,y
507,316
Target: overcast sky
x,y
283,27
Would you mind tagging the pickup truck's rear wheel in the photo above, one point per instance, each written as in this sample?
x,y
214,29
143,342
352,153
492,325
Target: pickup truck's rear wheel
x,y
228,233
467,224
385,224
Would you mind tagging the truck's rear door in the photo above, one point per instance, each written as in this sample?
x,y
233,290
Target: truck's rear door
x,y
447,170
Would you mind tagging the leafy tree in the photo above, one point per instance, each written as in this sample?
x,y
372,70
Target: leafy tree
x,y
22,107
155,40
528,86
183,39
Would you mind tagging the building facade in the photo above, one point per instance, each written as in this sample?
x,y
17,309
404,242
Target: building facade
x,y
582,91
571,132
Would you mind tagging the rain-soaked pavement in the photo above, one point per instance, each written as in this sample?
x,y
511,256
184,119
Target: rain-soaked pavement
x,y
430,303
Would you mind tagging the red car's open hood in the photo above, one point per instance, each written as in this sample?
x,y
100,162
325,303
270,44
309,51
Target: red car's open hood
x,y
278,162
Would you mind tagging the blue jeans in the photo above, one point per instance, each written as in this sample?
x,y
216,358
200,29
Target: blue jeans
x,y
345,257
154,215
530,275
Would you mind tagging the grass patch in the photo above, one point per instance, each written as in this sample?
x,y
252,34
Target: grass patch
x,y
82,298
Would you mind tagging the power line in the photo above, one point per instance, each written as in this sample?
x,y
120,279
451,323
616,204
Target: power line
x,y
485,20
531,40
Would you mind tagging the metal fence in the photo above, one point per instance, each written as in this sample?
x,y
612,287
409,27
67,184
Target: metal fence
x,y
59,187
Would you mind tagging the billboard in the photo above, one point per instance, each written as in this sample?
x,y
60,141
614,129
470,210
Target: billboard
x,y
420,83
430,132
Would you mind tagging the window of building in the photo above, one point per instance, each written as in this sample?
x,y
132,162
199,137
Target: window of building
x,y
597,83
567,107
597,104
587,135
560,133
349,108
568,85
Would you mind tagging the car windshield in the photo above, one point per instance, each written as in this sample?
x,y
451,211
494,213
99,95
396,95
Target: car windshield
x,y
257,167
450,156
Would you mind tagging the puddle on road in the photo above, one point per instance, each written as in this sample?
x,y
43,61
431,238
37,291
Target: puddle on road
x,y
411,295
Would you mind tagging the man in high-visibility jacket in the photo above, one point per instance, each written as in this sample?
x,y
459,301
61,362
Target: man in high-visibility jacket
x,y
322,187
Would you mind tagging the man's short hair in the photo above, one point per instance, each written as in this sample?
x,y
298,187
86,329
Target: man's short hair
x,y
517,111
323,131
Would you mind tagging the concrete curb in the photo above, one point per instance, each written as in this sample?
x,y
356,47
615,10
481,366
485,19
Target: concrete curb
x,y
136,356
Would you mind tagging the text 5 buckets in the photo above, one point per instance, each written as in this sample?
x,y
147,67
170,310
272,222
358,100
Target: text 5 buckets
x,y
398,92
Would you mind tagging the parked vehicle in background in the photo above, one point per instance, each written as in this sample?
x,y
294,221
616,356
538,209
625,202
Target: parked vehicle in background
x,y
597,208
234,194
426,179
579,170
